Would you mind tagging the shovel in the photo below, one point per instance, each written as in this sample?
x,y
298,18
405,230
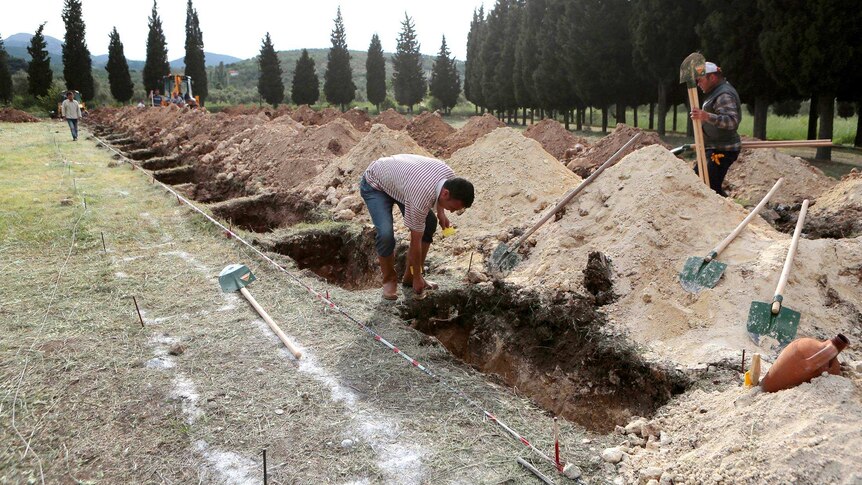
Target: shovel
x,y
504,257
693,67
236,277
700,273
773,319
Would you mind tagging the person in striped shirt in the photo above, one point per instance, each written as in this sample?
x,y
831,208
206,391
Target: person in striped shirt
x,y
720,115
421,187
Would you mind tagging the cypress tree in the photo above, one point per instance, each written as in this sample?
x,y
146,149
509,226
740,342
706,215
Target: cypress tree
x,y
156,65
338,79
445,82
408,77
306,86
493,87
39,74
122,88
375,73
195,59
5,75
473,62
269,85
526,54
77,64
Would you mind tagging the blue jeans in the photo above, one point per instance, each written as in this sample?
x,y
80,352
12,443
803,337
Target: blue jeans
x,y
73,126
379,205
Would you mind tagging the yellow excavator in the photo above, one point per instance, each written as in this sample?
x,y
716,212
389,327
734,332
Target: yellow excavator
x,y
176,86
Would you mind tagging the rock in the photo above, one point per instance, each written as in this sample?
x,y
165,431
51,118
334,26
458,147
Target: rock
x,y
279,411
572,471
855,366
651,473
635,440
66,201
652,428
666,479
347,444
344,215
351,202
612,455
619,430
652,482
476,277
635,426
586,441
177,349
664,438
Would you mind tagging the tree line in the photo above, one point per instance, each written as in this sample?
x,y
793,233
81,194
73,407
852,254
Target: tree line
x,y
408,79
566,55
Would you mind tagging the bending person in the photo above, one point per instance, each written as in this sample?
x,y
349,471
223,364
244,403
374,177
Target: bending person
x,y
420,187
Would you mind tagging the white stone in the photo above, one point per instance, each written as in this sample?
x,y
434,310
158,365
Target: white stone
x,y
344,215
651,473
612,455
572,471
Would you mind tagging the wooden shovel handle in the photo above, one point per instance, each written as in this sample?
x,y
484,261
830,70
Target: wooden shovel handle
x,y
721,247
788,262
275,328
698,138
610,161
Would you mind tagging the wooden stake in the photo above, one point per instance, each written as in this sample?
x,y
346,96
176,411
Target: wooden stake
x,y
138,309
470,265
557,445
264,466
103,242
742,367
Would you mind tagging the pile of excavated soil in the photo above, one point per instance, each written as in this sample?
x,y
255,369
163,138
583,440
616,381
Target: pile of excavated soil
x,y
358,118
476,127
585,163
430,132
12,115
648,214
810,434
837,212
392,119
515,181
756,170
305,115
554,137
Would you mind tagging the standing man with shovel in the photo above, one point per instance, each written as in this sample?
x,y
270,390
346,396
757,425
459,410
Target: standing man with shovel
x,y
720,117
419,186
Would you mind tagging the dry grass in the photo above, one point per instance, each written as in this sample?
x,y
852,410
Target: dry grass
x,y
89,409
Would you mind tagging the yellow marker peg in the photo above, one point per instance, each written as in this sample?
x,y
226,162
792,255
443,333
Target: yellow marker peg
x,y
449,231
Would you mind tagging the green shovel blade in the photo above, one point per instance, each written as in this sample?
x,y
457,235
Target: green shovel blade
x,y
503,259
692,67
762,322
698,274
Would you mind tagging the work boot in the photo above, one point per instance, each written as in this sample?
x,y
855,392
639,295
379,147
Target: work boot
x,y
390,277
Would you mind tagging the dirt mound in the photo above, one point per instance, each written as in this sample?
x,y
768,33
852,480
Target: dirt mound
x,y
594,156
12,115
756,170
430,132
515,180
837,213
808,434
392,119
648,214
554,137
305,115
476,127
358,118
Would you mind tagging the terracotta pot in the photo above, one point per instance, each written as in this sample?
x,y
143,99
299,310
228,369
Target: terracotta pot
x,y
803,360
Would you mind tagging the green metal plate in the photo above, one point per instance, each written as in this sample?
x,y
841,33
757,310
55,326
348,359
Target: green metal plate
x,y
692,67
504,260
697,275
781,327
234,277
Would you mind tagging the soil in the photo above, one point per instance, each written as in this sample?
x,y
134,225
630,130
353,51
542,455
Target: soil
x,y
756,171
392,119
475,128
265,212
584,164
12,115
358,118
837,212
548,347
430,132
554,137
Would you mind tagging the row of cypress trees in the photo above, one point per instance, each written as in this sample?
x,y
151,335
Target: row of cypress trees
x,y
77,63
408,79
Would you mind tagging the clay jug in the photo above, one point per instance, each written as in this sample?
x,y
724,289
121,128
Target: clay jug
x,y
803,360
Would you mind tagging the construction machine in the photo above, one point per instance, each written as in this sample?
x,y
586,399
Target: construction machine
x,y
176,86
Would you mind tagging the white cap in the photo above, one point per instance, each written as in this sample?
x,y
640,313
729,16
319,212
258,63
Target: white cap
x,y
711,67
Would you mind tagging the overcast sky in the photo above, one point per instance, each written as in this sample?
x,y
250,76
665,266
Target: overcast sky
x,y
236,28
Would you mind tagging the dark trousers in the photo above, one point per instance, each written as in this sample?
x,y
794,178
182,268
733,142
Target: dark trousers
x,y
379,205
718,162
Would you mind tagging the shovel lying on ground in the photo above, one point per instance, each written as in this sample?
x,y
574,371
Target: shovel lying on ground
x,y
693,67
773,319
699,273
825,142
236,277
504,257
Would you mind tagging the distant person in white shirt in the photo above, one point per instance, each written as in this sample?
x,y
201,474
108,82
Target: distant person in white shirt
x,y
71,110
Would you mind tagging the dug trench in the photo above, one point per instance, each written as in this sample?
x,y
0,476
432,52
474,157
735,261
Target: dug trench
x,y
551,348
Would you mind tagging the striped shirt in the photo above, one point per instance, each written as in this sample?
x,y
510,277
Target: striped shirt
x,y
413,180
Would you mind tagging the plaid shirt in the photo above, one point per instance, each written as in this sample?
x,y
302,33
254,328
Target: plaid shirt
x,y
725,115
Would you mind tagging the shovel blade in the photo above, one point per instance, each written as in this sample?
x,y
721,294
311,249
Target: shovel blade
x,y
698,274
691,68
503,259
763,323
